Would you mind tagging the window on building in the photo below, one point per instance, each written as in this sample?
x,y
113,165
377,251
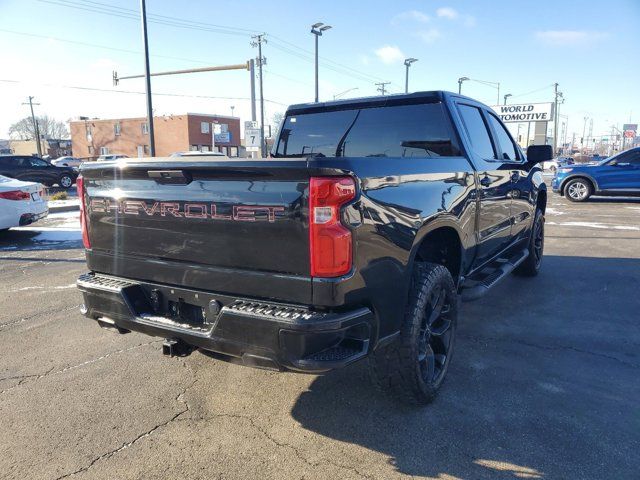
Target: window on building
x,y
233,151
205,148
204,127
506,144
88,132
104,150
477,130
145,128
193,148
90,150
116,128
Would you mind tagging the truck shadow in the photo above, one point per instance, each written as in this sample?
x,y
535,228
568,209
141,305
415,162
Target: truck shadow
x,y
543,369
30,240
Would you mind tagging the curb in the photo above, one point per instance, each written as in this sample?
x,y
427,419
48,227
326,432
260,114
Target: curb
x,y
66,208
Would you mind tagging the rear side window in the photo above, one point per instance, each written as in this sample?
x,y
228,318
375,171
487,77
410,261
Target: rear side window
x,y
477,130
8,161
506,144
421,130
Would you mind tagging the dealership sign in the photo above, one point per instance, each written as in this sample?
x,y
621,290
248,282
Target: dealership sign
x,y
525,112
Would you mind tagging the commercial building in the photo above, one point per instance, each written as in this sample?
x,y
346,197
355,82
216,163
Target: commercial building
x,y
173,133
53,148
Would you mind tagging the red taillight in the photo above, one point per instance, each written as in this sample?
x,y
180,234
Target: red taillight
x,y
15,195
83,212
329,240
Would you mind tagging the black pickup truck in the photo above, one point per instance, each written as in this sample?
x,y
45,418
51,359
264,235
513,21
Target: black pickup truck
x,y
355,238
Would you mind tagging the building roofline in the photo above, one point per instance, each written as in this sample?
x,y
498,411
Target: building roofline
x,y
210,115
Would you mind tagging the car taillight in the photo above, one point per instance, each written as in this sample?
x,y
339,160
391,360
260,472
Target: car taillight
x,y
329,240
83,212
15,195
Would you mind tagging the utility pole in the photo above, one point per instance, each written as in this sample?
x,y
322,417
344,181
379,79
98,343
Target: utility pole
x,y
584,128
258,40
407,63
505,98
557,95
147,76
36,130
460,80
381,87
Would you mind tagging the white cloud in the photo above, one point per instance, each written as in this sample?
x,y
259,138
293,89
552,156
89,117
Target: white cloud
x,y
428,36
364,59
568,37
447,12
411,15
390,54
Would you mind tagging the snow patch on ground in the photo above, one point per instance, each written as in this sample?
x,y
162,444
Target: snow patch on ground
x,y
595,225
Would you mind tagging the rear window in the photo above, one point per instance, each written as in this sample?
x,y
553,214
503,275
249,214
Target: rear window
x,y
421,130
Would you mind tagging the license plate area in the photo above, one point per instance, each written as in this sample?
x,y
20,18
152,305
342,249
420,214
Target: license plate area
x,y
35,197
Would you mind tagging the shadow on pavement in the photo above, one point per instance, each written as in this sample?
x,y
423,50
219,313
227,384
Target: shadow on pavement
x,y
30,240
544,384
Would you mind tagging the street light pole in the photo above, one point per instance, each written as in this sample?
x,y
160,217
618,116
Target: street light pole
x,y
557,95
407,63
147,76
317,29
460,80
345,92
505,98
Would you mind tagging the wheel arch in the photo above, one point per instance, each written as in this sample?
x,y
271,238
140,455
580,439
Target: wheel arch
x,y
440,241
585,176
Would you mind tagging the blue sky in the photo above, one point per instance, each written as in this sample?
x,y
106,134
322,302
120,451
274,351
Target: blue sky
x,y
589,47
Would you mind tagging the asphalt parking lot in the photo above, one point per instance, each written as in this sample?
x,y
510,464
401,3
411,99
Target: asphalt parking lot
x,y
544,384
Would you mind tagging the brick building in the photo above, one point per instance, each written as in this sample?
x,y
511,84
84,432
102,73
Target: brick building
x,y
173,133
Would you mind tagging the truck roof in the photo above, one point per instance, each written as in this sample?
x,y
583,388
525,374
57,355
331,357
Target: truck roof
x,y
379,100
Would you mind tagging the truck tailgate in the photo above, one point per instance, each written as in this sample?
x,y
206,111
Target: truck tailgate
x,y
223,217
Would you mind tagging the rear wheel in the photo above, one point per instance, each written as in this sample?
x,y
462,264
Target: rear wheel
x,y
66,181
413,368
578,190
531,266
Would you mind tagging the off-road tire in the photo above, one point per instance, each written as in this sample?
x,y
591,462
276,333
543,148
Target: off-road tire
x,y
531,265
397,369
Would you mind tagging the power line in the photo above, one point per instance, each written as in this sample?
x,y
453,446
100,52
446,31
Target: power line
x,y
532,91
164,94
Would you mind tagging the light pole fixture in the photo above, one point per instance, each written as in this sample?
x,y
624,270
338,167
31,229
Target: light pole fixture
x,y
460,80
407,63
338,95
317,29
505,98
232,109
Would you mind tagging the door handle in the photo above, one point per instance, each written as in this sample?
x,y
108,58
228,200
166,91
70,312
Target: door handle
x,y
485,181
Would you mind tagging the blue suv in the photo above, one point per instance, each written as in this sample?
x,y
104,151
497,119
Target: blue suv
x,y
617,175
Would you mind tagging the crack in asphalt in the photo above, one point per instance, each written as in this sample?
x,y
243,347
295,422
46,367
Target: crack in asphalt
x,y
179,398
549,347
24,319
38,376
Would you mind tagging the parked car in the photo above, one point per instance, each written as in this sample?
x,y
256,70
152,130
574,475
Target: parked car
x,y
21,203
103,158
66,162
617,175
555,163
196,153
34,169
354,240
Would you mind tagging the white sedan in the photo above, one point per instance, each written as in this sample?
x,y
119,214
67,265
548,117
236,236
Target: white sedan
x,y
21,203
66,162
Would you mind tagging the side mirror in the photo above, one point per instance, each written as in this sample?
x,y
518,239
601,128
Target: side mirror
x,y
539,153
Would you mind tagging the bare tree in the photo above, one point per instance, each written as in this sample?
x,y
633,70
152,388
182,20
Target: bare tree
x,y
50,128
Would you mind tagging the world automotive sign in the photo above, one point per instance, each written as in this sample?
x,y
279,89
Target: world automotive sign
x,y
525,112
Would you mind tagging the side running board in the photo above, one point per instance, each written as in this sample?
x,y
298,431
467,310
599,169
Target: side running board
x,y
489,277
